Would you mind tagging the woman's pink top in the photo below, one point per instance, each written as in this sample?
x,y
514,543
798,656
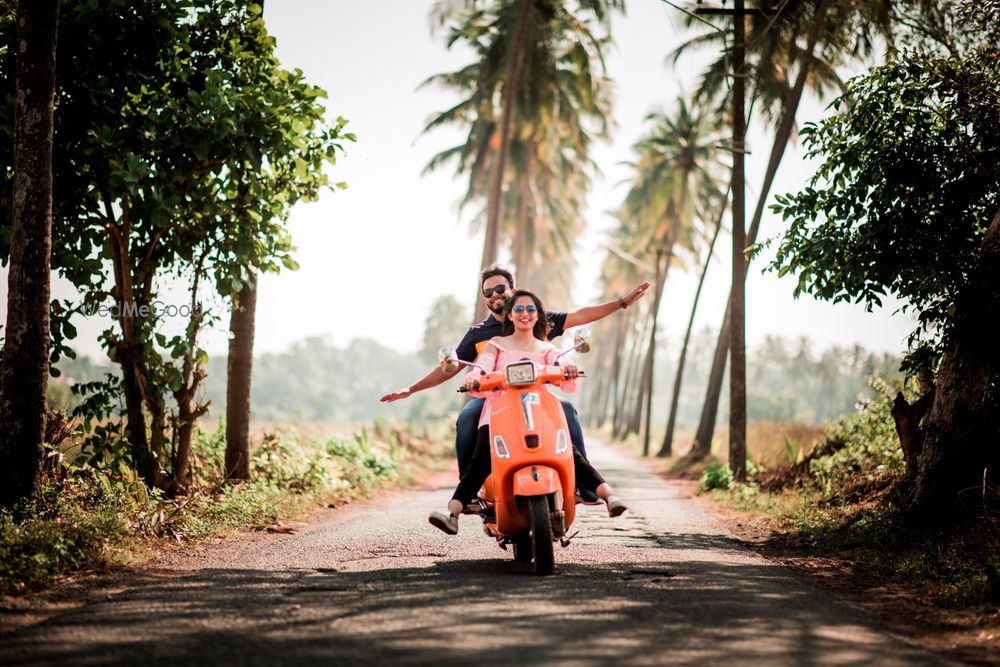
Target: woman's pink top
x,y
494,357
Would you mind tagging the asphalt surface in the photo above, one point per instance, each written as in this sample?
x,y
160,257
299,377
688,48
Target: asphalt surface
x,y
376,584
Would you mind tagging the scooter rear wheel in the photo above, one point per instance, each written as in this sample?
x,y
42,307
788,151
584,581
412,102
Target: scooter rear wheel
x,y
542,551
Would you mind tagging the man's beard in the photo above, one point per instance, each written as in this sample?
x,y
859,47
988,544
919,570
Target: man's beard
x,y
498,309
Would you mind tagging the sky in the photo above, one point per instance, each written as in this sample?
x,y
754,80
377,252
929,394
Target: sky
x,y
375,256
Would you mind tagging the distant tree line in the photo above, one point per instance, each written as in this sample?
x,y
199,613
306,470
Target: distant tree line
x,y
316,381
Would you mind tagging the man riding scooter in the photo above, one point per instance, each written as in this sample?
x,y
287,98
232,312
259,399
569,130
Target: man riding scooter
x,y
497,285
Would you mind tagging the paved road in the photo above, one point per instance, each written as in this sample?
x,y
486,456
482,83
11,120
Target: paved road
x,y
378,585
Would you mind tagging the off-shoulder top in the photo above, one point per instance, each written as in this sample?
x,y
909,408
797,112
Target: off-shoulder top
x,y
494,357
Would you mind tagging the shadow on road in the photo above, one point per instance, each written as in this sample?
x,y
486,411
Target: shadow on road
x,y
688,612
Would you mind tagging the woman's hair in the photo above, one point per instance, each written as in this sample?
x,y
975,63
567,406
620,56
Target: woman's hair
x,y
541,329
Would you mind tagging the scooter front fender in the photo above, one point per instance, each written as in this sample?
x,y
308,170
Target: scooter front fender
x,y
536,480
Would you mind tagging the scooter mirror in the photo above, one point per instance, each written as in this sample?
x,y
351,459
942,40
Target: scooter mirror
x,y
447,360
581,340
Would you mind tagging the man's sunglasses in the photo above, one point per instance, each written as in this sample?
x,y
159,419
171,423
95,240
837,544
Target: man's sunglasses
x,y
520,309
499,289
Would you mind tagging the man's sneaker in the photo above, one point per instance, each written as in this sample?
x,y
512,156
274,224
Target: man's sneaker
x,y
446,522
587,497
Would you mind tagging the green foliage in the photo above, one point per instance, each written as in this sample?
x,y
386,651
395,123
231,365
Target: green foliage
x,y
314,381
870,445
90,517
716,476
907,186
181,146
71,527
363,462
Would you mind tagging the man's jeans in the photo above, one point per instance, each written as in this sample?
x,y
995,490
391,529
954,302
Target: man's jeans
x,y
467,428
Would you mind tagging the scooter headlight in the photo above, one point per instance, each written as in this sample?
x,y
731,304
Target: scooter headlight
x,y
521,373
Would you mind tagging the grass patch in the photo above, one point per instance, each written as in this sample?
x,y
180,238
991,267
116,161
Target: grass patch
x,y
89,518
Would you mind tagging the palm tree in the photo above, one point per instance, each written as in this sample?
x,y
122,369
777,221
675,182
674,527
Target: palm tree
x,y
532,97
676,178
666,448
836,32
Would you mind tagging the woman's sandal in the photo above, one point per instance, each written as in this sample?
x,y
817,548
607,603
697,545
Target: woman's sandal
x,y
615,506
446,522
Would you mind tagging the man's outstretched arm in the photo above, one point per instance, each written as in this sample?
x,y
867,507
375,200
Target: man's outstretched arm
x,y
589,314
432,379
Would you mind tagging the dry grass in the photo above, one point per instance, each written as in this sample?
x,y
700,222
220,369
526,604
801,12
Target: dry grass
x,y
771,443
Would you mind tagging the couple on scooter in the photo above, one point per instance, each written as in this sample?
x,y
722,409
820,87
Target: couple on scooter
x,y
525,326
497,286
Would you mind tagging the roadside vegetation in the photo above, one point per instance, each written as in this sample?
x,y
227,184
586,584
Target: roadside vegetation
x,y
91,515
842,496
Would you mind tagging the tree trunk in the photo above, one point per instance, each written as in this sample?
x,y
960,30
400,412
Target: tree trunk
x,y
633,388
522,248
188,411
25,373
620,423
667,448
129,354
702,445
609,386
649,367
958,462
737,296
495,196
238,381
706,426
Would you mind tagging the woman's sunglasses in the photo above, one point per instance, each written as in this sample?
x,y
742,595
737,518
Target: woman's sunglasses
x,y
520,309
499,289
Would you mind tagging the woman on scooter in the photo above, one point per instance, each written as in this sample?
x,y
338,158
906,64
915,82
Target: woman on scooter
x,y
525,326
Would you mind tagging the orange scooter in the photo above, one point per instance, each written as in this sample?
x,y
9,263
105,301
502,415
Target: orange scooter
x,y
524,499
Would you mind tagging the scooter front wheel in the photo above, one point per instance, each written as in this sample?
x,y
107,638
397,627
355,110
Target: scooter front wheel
x,y
542,551
522,549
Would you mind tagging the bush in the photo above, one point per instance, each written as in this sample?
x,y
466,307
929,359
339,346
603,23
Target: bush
x,y
716,476
88,517
869,445
73,526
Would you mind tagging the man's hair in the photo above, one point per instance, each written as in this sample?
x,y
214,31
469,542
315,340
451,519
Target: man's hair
x,y
497,270
541,328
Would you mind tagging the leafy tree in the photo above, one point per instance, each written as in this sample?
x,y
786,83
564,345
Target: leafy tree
x,y
907,202
180,151
25,363
445,325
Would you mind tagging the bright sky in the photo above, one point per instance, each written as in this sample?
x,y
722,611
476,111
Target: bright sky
x,y
375,256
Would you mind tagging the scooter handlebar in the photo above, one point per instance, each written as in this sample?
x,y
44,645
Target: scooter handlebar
x,y
476,386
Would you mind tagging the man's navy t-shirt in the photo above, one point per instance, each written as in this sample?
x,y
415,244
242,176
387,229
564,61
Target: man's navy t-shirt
x,y
478,334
